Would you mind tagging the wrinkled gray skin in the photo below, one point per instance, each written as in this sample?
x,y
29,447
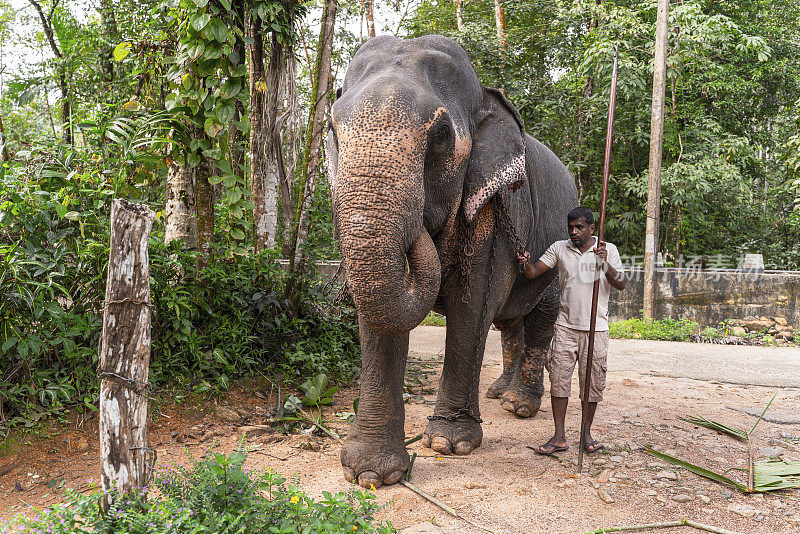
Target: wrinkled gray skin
x,y
416,146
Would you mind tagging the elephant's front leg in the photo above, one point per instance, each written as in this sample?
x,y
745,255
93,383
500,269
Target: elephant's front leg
x,y
454,427
374,452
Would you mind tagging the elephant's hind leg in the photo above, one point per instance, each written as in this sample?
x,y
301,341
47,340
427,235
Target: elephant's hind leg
x,y
374,452
524,394
512,341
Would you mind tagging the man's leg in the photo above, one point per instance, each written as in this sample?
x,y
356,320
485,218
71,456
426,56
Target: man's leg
x,y
598,385
560,366
559,440
591,444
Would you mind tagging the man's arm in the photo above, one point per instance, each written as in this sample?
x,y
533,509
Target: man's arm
x,y
615,278
531,270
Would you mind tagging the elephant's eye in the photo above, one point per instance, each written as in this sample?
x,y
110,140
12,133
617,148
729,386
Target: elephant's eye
x,y
442,134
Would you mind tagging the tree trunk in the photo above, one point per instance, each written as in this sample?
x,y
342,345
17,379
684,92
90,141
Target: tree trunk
x,y
110,35
369,7
582,118
4,155
235,136
125,352
255,54
311,155
180,216
204,207
459,16
500,22
47,28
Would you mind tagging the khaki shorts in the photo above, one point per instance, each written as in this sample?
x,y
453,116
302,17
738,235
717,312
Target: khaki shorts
x,y
568,344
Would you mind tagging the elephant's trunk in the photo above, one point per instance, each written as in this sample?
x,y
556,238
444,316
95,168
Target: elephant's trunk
x,y
392,265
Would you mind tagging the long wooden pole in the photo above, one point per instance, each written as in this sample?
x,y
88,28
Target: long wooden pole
x,y
656,146
596,287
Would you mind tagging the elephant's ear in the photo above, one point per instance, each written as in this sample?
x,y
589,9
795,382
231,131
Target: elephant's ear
x,y
498,152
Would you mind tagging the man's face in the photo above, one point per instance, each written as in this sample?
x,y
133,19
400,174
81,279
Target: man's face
x,y
579,231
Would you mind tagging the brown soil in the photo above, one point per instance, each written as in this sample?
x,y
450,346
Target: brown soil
x,y
503,485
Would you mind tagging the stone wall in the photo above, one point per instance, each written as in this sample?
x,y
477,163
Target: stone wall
x,y
710,296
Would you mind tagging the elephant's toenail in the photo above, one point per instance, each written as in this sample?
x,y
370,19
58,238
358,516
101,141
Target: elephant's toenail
x,y
393,477
369,479
463,447
349,474
441,445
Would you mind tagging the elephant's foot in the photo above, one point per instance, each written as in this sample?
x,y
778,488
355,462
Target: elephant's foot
x,y
521,401
453,437
499,386
373,463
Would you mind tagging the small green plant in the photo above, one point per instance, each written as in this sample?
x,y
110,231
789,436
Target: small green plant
x,y
214,494
316,393
435,319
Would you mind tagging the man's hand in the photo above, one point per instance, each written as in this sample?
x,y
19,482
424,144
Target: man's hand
x,y
616,280
529,268
601,252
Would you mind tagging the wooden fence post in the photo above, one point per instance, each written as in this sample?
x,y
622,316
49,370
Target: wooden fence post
x,y
125,352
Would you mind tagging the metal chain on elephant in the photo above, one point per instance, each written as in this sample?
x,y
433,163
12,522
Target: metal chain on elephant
x,y
505,222
466,412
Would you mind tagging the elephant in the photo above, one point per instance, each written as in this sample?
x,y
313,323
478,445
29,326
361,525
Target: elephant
x,y
424,166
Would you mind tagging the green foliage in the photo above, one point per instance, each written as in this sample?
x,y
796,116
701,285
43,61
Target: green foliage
x,y
659,330
210,326
215,494
317,392
434,319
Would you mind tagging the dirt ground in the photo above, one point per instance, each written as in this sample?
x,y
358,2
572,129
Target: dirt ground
x,y
502,486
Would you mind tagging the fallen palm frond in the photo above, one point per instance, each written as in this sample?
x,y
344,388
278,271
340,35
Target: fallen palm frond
x,y
669,524
696,469
772,475
762,476
741,435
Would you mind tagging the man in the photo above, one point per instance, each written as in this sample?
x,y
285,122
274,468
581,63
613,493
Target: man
x,y
577,270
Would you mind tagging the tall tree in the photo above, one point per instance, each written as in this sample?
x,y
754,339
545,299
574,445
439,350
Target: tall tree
x,y
313,141
61,72
459,14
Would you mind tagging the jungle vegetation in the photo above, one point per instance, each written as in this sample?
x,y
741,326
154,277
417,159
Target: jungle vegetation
x,y
213,111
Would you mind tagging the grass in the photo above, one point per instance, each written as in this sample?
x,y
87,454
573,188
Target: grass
x,y
434,319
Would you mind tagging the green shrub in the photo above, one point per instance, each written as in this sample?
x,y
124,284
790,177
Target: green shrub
x,y
658,330
434,319
210,326
215,494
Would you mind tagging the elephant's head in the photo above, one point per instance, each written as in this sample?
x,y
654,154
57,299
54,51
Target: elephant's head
x,y
414,139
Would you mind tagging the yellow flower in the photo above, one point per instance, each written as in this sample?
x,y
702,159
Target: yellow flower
x,y
372,487
294,499
355,528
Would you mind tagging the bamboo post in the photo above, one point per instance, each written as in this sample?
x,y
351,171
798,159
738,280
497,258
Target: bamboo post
x,y
125,352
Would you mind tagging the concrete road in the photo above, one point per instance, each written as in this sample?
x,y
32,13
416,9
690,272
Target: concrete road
x,y
734,364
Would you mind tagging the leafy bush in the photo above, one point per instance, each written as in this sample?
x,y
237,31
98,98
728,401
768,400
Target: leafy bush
x,y
210,326
659,330
215,494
